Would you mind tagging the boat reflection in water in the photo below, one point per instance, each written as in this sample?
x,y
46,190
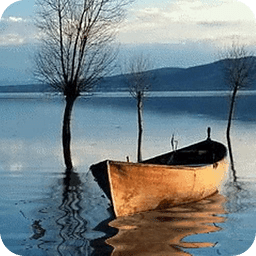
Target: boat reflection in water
x,y
160,232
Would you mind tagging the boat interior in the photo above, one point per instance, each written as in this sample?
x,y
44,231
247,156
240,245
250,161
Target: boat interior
x,y
202,153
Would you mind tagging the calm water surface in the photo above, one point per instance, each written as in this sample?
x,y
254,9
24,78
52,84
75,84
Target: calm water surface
x,y
46,211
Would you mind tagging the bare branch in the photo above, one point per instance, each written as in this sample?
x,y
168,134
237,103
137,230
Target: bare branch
x,y
76,38
139,75
239,66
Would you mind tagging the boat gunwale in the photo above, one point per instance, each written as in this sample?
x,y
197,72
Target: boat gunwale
x,y
165,166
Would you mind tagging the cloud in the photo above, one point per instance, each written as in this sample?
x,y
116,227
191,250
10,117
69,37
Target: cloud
x,y
11,39
216,24
178,21
16,30
189,20
13,19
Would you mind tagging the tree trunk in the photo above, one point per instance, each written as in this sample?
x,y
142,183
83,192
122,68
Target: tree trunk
x,y
231,160
228,131
231,110
66,133
140,130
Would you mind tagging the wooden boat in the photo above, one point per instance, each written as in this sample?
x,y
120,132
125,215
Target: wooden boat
x,y
182,176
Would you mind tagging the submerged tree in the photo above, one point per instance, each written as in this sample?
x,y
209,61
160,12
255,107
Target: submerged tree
x,y
239,72
139,81
75,51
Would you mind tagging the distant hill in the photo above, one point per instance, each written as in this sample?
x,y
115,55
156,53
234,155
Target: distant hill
x,y
207,77
25,88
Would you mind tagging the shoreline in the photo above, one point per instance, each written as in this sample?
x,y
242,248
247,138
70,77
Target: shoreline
x,y
152,94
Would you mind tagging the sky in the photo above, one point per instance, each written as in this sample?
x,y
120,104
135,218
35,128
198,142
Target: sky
x,y
174,33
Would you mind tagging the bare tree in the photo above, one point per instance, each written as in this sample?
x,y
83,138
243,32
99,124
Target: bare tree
x,y
139,81
239,72
75,51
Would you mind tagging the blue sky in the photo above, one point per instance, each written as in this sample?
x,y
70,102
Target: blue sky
x,y
178,33
19,8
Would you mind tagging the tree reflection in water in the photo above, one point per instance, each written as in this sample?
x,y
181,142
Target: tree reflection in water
x,y
72,225
241,196
73,221
162,232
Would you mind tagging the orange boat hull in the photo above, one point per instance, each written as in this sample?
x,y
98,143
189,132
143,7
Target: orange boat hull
x,y
138,187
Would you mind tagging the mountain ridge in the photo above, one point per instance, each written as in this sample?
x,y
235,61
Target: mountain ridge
x,y
207,77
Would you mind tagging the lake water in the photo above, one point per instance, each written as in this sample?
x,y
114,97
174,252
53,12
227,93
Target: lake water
x,y
46,211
